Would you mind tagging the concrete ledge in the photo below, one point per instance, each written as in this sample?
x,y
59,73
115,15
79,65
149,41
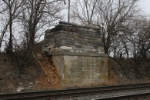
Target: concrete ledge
x,y
67,53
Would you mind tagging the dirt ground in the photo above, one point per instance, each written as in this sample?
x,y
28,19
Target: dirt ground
x,y
40,76
127,71
44,76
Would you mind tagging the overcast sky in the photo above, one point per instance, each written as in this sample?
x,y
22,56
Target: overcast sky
x,y
145,6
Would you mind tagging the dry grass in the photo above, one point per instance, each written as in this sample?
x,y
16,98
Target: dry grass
x,y
46,77
127,71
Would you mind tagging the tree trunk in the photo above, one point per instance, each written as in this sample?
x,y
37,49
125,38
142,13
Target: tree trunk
x,y
10,43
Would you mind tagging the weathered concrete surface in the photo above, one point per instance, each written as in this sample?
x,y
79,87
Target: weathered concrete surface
x,y
78,53
80,70
73,38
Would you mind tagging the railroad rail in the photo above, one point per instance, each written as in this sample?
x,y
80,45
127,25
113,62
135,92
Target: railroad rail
x,y
72,92
135,96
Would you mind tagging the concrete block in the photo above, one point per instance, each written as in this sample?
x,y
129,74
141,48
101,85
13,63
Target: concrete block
x,y
77,70
79,56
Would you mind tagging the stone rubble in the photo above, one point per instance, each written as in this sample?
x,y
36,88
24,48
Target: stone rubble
x,y
73,38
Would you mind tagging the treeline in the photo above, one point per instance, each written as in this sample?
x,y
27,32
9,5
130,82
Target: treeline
x,y
22,21
125,32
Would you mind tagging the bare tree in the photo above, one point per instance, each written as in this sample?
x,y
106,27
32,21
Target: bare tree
x,y
84,11
12,7
36,15
113,17
141,38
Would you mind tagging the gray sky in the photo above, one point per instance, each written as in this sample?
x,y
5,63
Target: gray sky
x,y
145,6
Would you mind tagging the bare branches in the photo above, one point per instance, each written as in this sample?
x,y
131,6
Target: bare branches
x,y
85,11
37,15
31,16
141,39
10,7
114,15
122,32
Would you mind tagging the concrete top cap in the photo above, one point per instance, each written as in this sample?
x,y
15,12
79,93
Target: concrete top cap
x,y
76,25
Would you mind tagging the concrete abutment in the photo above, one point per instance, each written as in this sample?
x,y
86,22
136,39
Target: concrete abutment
x,y
81,70
78,54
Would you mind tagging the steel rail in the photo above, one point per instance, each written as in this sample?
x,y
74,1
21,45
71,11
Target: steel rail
x,y
71,92
133,96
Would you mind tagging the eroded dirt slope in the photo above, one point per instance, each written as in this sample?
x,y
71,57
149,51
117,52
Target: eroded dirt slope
x,y
44,76
126,71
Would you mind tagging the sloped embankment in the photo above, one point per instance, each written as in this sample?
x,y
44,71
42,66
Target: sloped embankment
x,y
50,79
124,71
46,76
12,80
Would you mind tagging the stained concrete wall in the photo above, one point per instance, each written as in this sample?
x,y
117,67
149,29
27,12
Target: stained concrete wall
x,y
78,54
82,70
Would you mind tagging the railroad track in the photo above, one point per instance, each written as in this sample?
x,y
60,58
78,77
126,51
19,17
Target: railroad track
x,y
72,92
128,97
